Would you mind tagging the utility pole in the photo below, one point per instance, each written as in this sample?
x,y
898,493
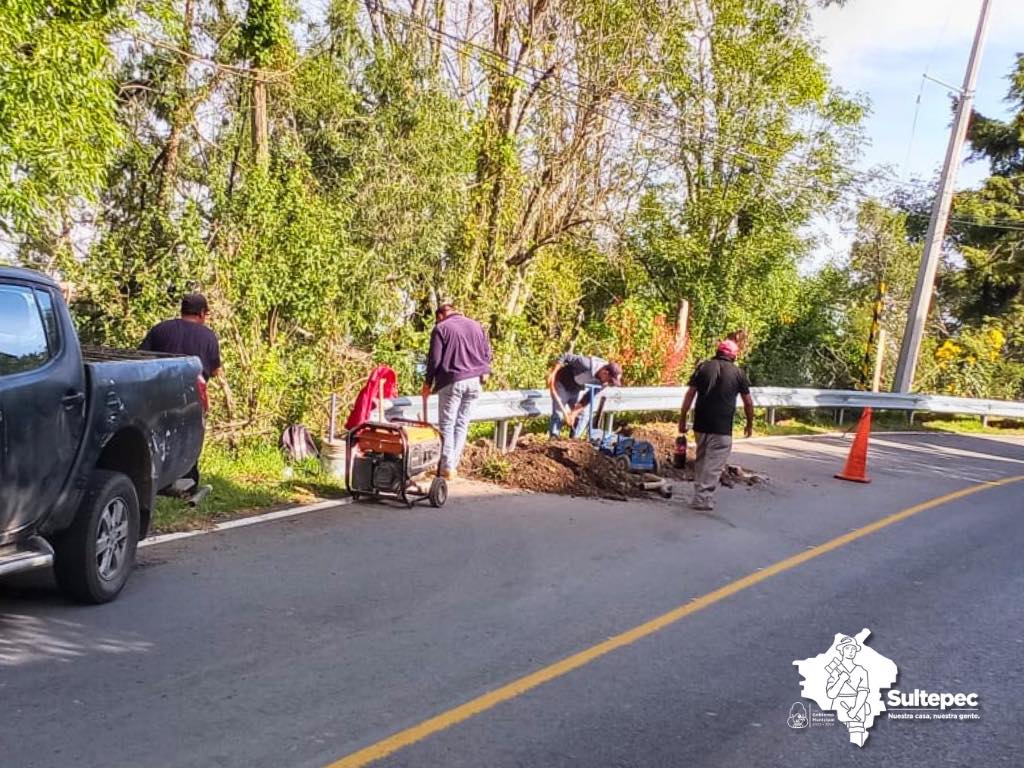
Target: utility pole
x,y
918,314
876,379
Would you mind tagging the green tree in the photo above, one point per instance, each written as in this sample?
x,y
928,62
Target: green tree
x,y
760,136
58,124
882,271
991,284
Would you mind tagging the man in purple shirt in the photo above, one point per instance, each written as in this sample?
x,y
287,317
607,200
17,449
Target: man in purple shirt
x,y
458,362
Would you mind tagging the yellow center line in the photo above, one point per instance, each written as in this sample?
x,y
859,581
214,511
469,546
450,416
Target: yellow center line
x,y
409,736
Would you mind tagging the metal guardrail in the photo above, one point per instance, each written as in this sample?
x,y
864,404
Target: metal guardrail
x,y
532,403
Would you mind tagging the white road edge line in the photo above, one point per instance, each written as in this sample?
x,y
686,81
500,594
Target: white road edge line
x,y
242,522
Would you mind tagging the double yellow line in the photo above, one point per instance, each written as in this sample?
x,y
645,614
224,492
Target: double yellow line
x,y
480,704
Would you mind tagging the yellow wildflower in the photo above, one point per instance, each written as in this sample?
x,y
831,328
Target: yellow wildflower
x,y
949,350
995,338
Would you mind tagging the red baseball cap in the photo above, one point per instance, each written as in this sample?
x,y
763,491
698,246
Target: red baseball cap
x,y
729,348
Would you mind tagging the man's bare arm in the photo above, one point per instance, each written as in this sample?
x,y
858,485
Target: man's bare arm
x,y
691,393
554,394
748,409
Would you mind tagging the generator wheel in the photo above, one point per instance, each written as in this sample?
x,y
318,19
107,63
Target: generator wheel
x,y
622,462
438,493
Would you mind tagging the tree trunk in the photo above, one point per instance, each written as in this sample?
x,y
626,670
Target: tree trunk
x,y
260,125
178,120
682,324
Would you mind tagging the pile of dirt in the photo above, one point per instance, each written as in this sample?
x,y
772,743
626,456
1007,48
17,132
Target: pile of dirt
x,y
575,468
570,467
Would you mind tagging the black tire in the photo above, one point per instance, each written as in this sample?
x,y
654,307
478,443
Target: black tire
x,y
438,493
109,509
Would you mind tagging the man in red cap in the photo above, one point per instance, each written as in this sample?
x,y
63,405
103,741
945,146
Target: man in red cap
x,y
716,384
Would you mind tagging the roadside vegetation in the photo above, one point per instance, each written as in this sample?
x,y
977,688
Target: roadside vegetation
x,y
247,480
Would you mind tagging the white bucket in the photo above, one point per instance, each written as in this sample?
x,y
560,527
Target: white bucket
x,y
333,455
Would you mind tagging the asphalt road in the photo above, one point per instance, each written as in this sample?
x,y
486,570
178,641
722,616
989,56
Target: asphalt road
x,y
301,641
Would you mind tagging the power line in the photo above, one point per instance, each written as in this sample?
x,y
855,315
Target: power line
x,y
863,195
924,78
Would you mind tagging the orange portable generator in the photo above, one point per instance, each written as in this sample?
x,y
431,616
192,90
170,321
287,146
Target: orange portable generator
x,y
386,458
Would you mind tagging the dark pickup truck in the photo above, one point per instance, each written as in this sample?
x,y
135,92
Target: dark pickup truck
x,y
88,437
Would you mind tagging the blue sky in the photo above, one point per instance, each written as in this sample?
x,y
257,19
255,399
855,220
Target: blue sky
x,y
882,47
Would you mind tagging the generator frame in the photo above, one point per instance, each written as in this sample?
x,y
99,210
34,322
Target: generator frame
x,y
410,492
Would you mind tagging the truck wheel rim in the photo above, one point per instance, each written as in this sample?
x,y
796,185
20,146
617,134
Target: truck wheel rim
x,y
112,539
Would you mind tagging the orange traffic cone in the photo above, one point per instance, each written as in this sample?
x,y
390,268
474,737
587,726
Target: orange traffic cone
x,y
857,462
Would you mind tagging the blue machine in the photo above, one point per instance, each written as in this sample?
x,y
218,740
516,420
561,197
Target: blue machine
x,y
631,454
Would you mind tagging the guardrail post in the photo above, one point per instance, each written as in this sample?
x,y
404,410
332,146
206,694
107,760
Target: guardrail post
x,y
910,418
841,415
771,417
609,422
332,423
515,436
984,420
501,435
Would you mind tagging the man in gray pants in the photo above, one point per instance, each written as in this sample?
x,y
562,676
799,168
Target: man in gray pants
x,y
458,362
716,383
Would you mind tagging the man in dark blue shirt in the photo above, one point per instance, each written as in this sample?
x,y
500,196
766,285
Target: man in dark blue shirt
x,y
188,335
458,362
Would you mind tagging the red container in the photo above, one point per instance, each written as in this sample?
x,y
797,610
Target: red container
x,y
679,455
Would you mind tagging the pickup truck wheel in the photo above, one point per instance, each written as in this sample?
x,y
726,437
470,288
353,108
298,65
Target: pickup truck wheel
x,y
94,557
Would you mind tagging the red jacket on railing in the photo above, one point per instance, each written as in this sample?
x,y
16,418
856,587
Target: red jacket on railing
x,y
366,400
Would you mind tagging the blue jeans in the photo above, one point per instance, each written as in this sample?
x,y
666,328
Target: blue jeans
x,y
570,399
455,402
